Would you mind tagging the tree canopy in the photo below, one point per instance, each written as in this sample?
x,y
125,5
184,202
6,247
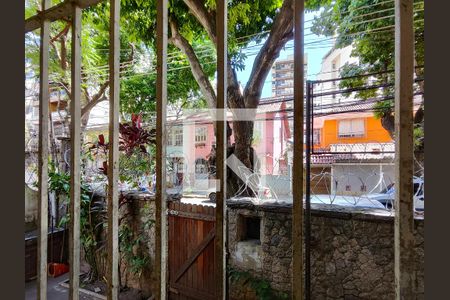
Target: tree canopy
x,y
368,25
137,64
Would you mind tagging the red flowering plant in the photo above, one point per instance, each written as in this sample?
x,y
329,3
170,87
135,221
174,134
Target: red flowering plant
x,y
98,150
134,160
133,136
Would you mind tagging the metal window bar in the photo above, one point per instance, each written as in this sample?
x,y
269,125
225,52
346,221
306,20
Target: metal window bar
x,y
307,231
404,158
403,86
222,64
298,284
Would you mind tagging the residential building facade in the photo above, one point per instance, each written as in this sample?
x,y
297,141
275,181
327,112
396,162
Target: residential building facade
x,y
283,76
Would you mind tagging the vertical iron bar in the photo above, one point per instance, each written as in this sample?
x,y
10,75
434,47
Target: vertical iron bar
x,y
75,148
43,157
404,147
311,97
161,108
222,60
297,168
113,165
307,194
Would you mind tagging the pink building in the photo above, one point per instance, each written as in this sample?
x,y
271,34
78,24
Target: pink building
x,y
191,140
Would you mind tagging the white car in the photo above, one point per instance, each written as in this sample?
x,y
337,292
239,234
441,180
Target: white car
x,y
387,196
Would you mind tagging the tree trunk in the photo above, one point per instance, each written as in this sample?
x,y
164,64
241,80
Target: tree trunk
x,y
280,33
387,121
242,147
243,132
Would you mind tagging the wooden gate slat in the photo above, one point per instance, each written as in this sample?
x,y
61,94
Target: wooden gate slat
x,y
194,266
200,259
195,254
190,246
191,251
190,292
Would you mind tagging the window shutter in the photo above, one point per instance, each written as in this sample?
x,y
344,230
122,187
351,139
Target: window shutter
x,y
358,127
344,127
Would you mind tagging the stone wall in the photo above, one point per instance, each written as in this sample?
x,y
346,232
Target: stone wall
x,y
352,252
138,213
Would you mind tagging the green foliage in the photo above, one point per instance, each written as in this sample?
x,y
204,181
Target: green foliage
x,y
58,182
261,287
369,28
383,108
418,136
245,18
132,168
132,244
368,25
92,216
127,243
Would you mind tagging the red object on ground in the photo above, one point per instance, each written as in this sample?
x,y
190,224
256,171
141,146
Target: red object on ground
x,y
56,269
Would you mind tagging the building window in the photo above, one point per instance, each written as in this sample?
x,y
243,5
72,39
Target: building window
x,y
316,136
201,166
178,165
200,134
169,138
179,137
351,128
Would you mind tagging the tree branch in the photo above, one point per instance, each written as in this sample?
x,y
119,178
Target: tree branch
x,y
64,86
63,32
86,94
280,34
97,98
58,55
197,71
206,19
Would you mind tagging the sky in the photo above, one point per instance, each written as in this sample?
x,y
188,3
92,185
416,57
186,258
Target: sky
x,y
314,52
315,56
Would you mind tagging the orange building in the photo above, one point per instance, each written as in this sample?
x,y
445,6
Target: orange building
x,y
348,128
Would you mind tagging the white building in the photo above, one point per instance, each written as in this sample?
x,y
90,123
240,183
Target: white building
x,y
283,76
332,63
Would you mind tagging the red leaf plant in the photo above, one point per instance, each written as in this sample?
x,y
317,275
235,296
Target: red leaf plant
x,y
133,136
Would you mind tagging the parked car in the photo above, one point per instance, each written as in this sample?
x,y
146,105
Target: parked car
x,y
387,196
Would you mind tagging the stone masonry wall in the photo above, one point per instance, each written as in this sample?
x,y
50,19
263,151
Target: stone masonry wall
x,y
352,252
136,213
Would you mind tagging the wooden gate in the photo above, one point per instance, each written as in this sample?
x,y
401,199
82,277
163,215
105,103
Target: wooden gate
x,y
191,251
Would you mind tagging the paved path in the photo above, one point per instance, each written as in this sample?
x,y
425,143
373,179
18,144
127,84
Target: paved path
x,y
54,290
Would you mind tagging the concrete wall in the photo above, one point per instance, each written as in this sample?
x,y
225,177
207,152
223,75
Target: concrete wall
x,y
352,252
31,207
352,177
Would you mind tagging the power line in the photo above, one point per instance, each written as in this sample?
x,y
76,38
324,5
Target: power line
x,y
366,6
315,43
207,48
